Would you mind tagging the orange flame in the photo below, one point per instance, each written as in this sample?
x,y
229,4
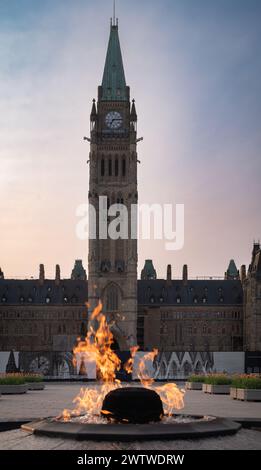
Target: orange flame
x,y
171,397
143,373
97,347
129,364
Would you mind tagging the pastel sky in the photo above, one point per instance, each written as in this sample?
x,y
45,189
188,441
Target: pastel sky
x,y
194,69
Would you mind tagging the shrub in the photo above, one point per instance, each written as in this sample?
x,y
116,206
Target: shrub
x,y
29,378
218,379
197,378
247,381
12,379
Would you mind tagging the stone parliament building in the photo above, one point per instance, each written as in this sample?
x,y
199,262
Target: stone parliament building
x,y
40,319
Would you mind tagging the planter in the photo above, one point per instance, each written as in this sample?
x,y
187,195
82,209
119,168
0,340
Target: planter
x,y
247,394
193,385
216,389
13,389
35,385
233,393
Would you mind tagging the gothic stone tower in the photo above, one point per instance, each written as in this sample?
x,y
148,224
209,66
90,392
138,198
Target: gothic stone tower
x,y
113,173
252,302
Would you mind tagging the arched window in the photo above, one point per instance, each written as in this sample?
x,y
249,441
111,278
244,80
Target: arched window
x,y
116,167
112,303
124,168
102,168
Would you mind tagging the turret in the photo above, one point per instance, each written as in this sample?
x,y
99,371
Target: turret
x,y
185,274
169,274
93,117
232,272
78,272
133,117
256,249
148,271
41,274
57,275
243,273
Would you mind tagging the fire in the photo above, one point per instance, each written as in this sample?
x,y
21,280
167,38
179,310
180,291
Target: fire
x,y
143,372
129,364
97,347
90,400
171,397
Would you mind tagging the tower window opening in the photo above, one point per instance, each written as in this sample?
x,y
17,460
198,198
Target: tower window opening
x,y
116,167
102,168
112,299
110,167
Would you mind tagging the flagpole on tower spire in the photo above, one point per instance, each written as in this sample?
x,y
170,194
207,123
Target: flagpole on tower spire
x,y
114,12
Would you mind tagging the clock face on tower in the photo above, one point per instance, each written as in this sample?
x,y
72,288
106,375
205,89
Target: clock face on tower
x,y
114,120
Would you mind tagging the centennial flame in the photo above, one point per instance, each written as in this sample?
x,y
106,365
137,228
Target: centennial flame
x,y
97,347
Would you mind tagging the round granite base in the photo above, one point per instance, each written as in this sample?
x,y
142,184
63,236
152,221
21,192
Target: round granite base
x,y
132,432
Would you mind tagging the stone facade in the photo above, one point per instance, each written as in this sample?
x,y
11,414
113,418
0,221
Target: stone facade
x,y
42,315
182,315
252,302
190,315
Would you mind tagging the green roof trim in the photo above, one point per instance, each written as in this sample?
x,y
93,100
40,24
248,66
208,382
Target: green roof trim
x,y
113,83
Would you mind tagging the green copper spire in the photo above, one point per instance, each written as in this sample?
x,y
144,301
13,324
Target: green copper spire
x,y
232,271
113,83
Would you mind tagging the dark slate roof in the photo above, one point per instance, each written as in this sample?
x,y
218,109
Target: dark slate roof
x,y
150,292
29,292
200,292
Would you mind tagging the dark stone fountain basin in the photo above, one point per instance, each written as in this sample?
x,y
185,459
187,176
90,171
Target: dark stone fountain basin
x,y
198,428
135,405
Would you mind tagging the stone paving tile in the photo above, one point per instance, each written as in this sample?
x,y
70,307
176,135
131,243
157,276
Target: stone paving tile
x,y
19,440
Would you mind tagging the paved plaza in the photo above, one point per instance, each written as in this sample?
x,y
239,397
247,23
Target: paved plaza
x,y
57,396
